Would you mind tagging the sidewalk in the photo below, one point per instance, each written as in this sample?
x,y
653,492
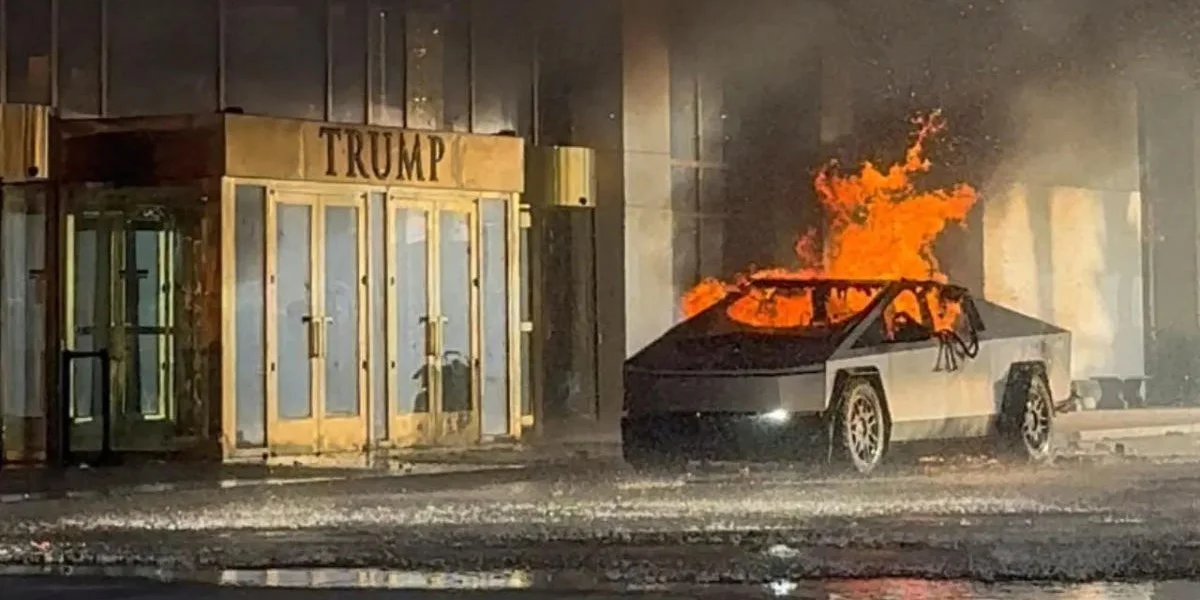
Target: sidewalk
x,y
20,484
1097,425
29,484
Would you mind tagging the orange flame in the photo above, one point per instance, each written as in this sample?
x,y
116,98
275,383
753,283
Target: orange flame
x,y
878,226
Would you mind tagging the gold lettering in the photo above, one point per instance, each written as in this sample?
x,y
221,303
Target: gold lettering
x,y
411,167
331,135
386,151
437,152
354,158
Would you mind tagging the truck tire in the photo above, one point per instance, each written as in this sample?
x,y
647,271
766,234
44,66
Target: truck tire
x,y
861,427
1027,418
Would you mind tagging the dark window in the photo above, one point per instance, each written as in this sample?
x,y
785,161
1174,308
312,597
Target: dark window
x,y
425,43
386,50
684,135
456,67
79,58
684,189
503,51
27,67
275,57
685,250
711,117
162,57
348,26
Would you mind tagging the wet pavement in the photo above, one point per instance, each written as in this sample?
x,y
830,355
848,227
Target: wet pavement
x,y
519,586
1087,518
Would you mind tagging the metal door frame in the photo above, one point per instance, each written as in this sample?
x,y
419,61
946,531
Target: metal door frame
x,y
435,426
116,206
309,435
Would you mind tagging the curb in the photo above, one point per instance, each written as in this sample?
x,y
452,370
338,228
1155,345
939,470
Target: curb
x,y
225,484
1125,433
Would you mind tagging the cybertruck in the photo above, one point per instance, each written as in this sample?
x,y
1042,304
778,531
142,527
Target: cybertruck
x,y
860,368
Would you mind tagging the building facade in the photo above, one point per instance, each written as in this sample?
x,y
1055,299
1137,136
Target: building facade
x,y
234,203
312,226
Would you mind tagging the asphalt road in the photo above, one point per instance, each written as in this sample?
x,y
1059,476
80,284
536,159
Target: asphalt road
x,y
1079,520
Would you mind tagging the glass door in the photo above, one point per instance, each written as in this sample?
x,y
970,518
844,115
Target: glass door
x,y
121,274
433,338
455,329
316,330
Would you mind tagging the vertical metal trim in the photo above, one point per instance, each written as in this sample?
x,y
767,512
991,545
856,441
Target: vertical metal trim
x,y
102,91
328,60
54,40
222,56
4,393
1149,247
366,64
471,67
3,53
56,305
535,83
381,64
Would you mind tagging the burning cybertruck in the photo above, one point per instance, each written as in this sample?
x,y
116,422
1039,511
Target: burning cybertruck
x,y
852,369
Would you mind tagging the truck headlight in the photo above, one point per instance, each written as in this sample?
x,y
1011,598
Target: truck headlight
x,y
778,416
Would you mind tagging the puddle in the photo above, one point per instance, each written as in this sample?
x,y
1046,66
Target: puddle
x,y
347,580
389,579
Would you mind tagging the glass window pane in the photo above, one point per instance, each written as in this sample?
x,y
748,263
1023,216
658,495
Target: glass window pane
x,y
712,246
387,54
79,58
685,190
454,254
685,248
143,395
493,214
348,25
410,282
146,283
378,313
27,64
341,311
683,99
162,57
711,119
293,290
275,57
502,59
425,41
712,192
22,337
456,72
249,233
87,262
146,306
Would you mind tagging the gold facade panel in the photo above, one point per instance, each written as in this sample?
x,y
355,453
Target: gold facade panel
x,y
24,135
258,147
562,176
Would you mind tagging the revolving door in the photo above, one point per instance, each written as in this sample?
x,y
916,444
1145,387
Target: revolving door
x,y
134,289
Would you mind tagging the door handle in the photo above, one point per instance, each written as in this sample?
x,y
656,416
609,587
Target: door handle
x,y
314,335
431,339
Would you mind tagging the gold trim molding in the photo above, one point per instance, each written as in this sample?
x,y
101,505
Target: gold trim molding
x,y
24,133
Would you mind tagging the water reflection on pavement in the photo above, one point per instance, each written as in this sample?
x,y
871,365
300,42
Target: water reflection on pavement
x,y
320,584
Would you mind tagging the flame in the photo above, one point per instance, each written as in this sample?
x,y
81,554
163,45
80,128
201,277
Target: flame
x,y
879,226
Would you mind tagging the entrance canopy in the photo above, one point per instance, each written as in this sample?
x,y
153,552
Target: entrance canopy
x,y
157,150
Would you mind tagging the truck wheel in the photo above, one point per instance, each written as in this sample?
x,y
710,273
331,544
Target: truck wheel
x,y
860,428
1027,419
